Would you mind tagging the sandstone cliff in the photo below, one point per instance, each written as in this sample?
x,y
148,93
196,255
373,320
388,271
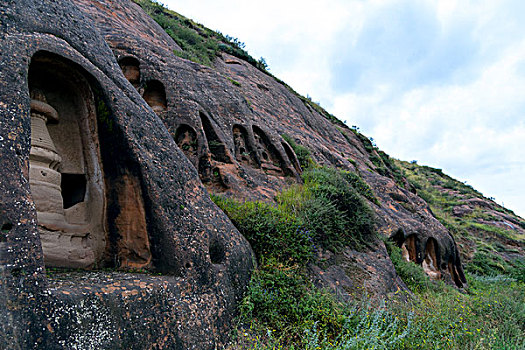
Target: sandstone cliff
x,y
136,137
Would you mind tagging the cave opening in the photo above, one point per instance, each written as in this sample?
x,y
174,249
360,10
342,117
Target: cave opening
x,y
155,96
131,69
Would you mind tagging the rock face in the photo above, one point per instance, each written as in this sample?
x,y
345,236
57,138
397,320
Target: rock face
x,y
109,141
92,178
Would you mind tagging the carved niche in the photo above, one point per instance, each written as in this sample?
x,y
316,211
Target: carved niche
x,y
65,172
186,139
155,96
214,157
292,157
244,152
217,148
131,69
271,160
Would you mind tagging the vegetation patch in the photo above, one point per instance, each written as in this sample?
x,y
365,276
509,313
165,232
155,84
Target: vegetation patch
x,y
234,82
326,210
282,309
385,165
490,315
199,44
273,233
360,186
282,298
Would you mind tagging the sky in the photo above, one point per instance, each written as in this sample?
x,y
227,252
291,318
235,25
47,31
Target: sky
x,y
441,82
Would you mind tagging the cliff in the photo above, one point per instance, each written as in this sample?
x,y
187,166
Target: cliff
x,y
112,139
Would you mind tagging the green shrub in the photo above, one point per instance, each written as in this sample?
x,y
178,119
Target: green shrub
x,y
273,233
360,186
329,186
518,270
326,210
319,215
394,171
283,298
487,264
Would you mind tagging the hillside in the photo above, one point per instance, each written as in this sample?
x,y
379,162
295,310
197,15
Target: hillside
x,y
161,189
491,238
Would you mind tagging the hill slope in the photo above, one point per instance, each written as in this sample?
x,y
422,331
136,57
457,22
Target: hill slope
x,y
491,238
116,129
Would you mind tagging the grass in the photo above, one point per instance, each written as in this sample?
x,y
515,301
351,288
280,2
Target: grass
x,y
234,82
490,315
198,43
283,309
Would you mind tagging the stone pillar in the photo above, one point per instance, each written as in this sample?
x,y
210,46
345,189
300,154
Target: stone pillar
x,y
44,178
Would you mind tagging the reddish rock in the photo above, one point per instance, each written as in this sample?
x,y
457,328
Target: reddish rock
x,y
168,129
462,210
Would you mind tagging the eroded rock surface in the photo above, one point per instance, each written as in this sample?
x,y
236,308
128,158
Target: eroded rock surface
x,y
124,195
139,135
229,121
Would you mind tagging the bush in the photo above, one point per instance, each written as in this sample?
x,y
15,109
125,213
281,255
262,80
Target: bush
x,y
273,233
487,264
355,216
283,298
328,223
326,210
360,186
518,270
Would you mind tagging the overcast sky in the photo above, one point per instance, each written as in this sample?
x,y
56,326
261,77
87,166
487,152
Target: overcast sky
x,y
441,82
